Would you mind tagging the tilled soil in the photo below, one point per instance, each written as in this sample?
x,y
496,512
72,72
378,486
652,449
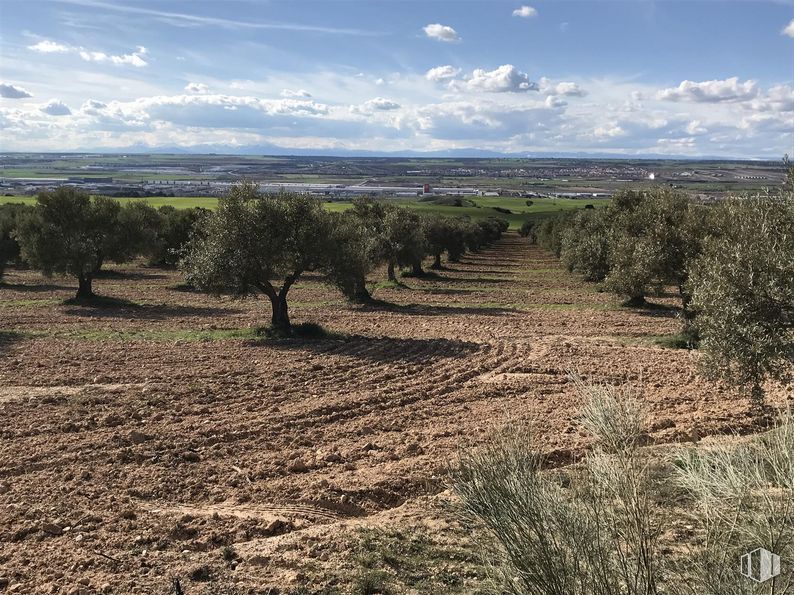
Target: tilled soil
x,y
157,439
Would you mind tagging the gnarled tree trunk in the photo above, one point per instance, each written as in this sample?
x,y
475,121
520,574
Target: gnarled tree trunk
x,y
84,287
279,318
436,261
392,276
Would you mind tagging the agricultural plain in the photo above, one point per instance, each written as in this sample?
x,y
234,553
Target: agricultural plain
x,y
160,437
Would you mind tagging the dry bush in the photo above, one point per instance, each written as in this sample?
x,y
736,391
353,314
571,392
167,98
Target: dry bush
x,y
596,528
742,499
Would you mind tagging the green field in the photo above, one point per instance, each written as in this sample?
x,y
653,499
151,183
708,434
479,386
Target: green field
x,y
483,207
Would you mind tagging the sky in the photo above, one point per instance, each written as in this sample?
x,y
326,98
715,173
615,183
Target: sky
x,y
624,77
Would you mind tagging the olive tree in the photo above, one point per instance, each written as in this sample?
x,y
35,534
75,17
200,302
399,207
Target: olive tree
x,y
443,234
456,245
655,237
398,235
549,232
135,232
743,292
68,232
350,258
176,226
584,245
253,242
10,217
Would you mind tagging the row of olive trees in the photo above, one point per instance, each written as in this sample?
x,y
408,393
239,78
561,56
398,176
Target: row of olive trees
x,y
731,265
261,244
252,244
69,232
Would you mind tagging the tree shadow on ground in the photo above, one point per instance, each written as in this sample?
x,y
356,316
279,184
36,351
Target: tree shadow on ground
x,y
431,310
480,271
131,275
383,349
106,307
7,339
444,290
472,280
42,288
654,310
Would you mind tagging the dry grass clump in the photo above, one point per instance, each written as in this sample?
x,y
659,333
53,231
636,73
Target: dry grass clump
x,y
599,527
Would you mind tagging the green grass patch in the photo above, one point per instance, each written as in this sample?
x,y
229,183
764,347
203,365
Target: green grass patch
x,y
387,285
394,560
676,341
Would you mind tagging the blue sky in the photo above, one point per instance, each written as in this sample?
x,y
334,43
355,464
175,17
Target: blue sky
x,y
624,77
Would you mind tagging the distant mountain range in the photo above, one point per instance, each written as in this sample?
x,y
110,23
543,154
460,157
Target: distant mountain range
x,y
471,153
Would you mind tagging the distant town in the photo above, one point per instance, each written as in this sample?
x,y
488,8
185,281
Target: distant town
x,y
148,175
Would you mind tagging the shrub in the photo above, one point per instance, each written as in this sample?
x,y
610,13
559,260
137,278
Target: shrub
x,y
596,528
597,536
740,497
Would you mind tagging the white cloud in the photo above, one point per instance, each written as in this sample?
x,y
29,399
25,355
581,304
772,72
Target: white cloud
x,y
779,98
562,88
608,131
381,103
505,79
378,104
133,59
728,90
525,12
553,102
92,106
460,111
197,88
49,47
789,29
442,73
13,92
300,93
441,32
55,107
695,127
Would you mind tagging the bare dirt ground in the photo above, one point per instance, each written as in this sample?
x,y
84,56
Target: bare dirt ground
x,y
159,439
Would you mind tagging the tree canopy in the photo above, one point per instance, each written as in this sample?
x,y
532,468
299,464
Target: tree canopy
x,y
69,232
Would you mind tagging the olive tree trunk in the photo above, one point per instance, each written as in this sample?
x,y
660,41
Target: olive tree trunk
x,y
436,261
84,287
279,318
392,276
